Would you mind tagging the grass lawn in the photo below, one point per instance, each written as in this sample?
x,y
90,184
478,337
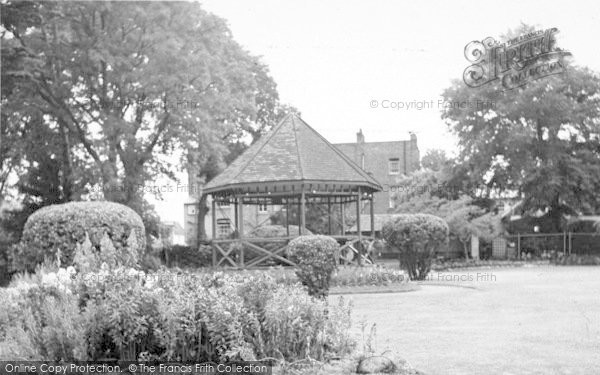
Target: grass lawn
x,y
527,320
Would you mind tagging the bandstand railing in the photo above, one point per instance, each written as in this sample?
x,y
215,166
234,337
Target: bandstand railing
x,y
255,252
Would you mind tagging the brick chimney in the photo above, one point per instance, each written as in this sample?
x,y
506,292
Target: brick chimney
x,y
414,154
360,138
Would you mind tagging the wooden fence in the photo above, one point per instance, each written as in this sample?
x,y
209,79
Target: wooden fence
x,y
253,252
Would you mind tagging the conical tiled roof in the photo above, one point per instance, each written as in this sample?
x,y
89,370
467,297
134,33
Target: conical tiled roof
x,y
292,154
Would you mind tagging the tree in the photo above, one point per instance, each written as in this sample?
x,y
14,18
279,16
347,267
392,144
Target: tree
x,y
10,152
428,192
434,159
144,76
540,141
129,83
460,221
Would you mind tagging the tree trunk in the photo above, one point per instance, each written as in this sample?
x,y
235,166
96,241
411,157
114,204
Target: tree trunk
x,y
127,190
556,214
202,211
67,174
112,188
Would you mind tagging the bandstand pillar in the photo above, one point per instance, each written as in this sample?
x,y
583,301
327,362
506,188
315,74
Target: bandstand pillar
x,y
302,213
358,229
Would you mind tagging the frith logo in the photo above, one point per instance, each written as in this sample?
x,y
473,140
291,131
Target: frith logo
x,y
515,63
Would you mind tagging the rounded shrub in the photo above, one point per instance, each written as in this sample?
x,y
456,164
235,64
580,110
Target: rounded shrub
x,y
59,228
417,237
315,256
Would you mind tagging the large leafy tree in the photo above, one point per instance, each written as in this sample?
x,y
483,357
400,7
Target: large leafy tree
x,y
127,84
434,159
540,141
126,80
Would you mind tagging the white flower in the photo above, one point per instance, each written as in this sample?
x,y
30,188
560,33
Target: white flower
x,y
89,278
63,276
49,279
23,287
71,270
150,281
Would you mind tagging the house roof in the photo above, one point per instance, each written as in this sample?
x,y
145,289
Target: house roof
x,y
290,156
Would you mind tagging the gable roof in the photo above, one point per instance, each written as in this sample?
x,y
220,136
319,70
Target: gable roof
x,y
291,153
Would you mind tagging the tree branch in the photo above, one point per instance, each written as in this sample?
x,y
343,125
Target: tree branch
x,y
59,104
161,128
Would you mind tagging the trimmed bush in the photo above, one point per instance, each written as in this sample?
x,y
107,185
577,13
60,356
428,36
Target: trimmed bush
x,y
315,256
417,237
63,226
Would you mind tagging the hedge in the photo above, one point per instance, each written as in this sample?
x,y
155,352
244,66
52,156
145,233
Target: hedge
x,y
63,226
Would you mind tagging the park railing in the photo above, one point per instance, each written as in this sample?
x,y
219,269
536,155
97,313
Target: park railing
x,y
545,244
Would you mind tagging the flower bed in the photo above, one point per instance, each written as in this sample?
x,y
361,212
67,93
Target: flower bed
x,y
461,264
375,279
577,260
93,311
126,314
345,280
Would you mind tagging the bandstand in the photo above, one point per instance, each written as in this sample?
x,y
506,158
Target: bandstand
x,y
290,166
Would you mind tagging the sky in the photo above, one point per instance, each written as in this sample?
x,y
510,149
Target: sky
x,y
342,62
